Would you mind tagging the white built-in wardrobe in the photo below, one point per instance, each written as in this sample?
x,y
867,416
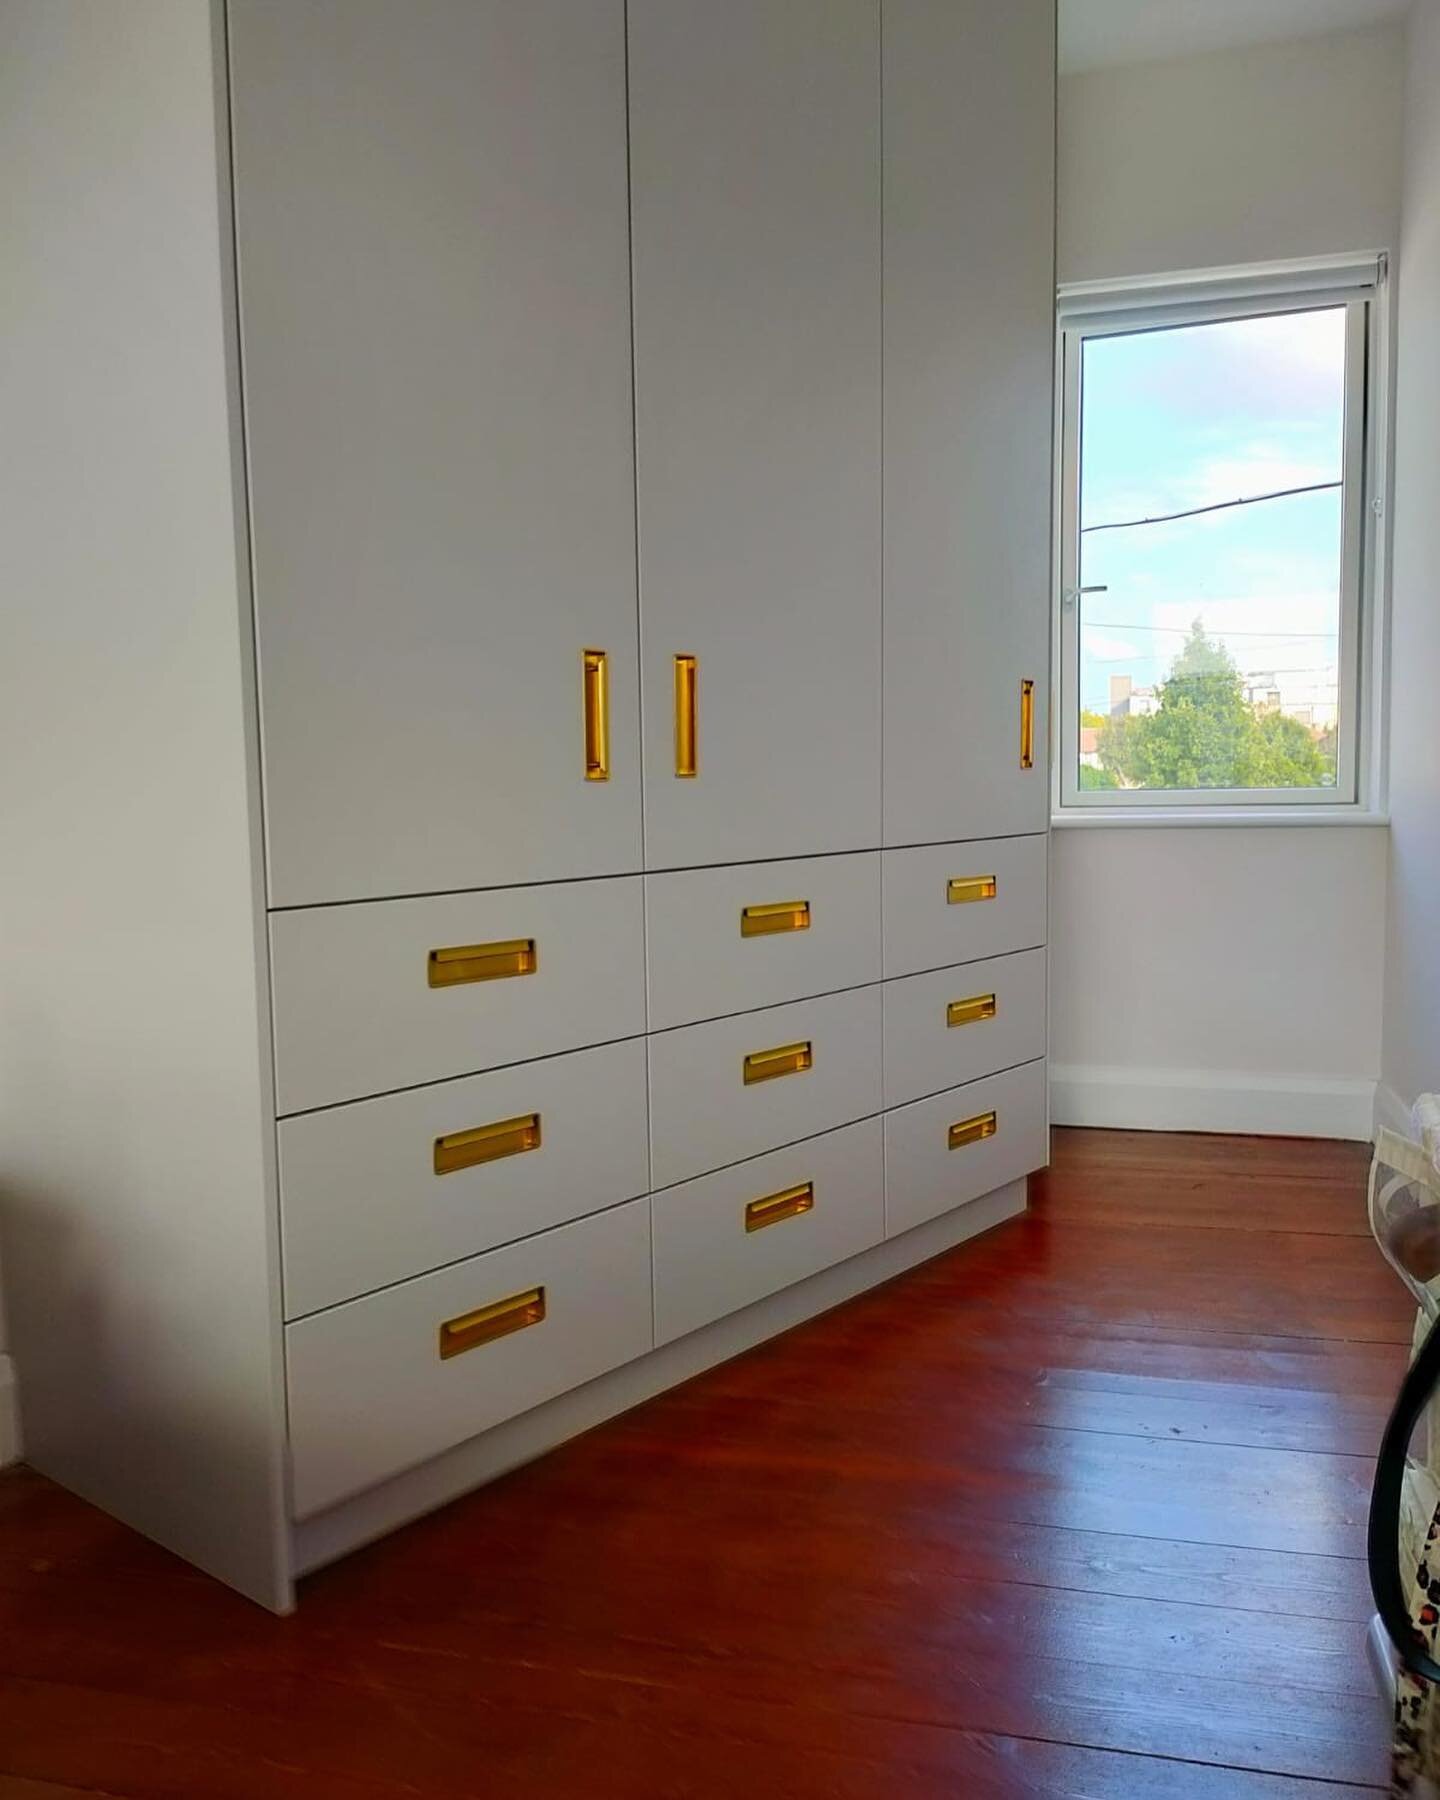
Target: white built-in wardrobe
x,y
603,780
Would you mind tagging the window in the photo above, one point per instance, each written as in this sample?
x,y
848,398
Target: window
x,y
1214,545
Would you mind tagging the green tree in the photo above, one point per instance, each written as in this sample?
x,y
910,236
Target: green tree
x,y
1203,733
1091,777
1282,753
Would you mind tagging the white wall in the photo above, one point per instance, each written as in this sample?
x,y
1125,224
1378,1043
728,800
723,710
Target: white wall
x,y
1225,977
1239,156
1411,1051
1219,978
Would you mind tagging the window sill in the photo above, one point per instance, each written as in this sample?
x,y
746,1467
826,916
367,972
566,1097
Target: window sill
x,y
1197,817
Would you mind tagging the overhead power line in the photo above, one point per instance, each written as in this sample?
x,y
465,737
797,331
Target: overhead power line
x,y
1317,487
1277,637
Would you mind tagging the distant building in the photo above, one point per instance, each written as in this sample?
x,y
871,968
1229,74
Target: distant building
x,y
1309,695
1129,702
1090,746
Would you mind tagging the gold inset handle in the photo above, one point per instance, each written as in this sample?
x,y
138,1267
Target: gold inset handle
x,y
961,889
482,962
789,1203
785,1059
498,1320
776,915
971,1011
973,1131
487,1143
1027,724
597,714
684,716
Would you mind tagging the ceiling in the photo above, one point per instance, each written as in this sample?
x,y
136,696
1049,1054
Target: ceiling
x,y
1097,33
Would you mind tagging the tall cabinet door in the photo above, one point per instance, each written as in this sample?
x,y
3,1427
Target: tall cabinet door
x,y
755,194
969,330
432,224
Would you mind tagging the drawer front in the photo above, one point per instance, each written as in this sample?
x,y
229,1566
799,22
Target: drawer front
x,y
955,1025
379,996
733,1237
757,934
380,1384
736,1087
954,903
384,1189
937,1153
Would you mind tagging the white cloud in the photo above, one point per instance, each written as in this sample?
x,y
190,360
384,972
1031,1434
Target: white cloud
x,y
1100,648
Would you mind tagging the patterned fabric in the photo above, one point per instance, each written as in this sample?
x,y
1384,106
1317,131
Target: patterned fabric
x,y
1415,1757
1405,1217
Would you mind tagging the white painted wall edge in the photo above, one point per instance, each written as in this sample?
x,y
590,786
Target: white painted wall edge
x,y
9,1413
1132,1099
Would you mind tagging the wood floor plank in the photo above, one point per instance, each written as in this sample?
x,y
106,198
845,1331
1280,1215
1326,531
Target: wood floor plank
x,y
1076,1510
19,1787
1141,1198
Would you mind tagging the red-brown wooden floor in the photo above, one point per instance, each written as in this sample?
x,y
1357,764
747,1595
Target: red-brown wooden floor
x,y
1075,1510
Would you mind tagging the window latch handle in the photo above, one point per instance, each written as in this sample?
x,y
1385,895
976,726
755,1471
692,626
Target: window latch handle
x,y
1073,594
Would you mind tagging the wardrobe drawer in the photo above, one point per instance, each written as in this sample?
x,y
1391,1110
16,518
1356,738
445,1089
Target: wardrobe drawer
x,y
380,1190
756,934
954,1025
733,1237
392,993
953,903
383,1383
958,1145
735,1087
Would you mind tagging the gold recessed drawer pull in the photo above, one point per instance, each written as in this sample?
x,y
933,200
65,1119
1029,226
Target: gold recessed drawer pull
x,y
961,889
789,1203
487,1143
784,1059
971,1011
1027,724
973,1131
482,962
684,716
778,915
597,714
498,1320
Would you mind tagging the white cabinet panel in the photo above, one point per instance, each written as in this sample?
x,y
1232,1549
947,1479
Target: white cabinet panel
x,y
937,1153
388,1188
756,934
371,1392
954,903
734,1087
755,170
364,1001
969,332
733,1237
433,245
954,1025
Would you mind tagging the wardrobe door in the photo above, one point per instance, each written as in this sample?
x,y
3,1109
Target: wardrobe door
x,y
755,194
969,332
434,282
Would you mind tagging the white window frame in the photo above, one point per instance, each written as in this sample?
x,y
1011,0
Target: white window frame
x,y
1094,309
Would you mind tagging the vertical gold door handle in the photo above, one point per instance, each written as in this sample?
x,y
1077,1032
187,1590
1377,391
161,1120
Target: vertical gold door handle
x,y
684,716
1027,724
597,714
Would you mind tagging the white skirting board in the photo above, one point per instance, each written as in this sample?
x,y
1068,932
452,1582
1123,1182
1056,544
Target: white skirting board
x,y
371,1515
1135,1099
9,1414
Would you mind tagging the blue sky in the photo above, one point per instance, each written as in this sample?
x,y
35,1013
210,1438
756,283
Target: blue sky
x,y
1185,417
